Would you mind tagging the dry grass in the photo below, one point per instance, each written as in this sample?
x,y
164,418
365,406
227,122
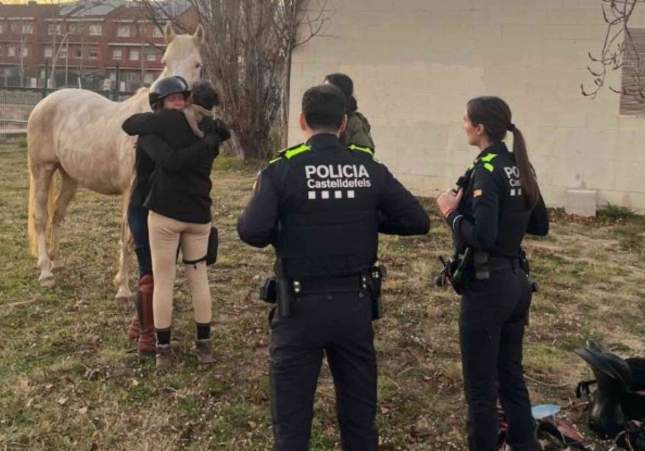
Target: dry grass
x,y
67,380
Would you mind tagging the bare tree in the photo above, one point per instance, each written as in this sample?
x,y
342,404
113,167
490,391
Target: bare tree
x,y
618,45
248,57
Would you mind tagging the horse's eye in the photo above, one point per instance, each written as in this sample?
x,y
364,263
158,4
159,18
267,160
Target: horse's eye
x,y
198,65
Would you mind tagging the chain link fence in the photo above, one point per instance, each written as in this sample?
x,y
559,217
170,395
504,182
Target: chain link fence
x,y
16,103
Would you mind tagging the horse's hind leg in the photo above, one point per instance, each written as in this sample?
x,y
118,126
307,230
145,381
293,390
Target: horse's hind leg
x,y
67,191
42,179
123,294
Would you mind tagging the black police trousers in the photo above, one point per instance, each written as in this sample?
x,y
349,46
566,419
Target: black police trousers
x,y
340,326
494,313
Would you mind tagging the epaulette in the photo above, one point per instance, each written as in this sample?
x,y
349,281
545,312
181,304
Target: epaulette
x,y
367,150
291,152
486,160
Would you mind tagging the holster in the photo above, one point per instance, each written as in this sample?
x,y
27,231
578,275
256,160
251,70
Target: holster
x,y
281,291
526,267
454,270
268,291
374,281
286,293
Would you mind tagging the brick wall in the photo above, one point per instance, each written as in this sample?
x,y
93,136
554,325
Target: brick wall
x,y
416,63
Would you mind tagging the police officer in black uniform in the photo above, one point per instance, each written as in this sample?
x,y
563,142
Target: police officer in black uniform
x,y
498,205
322,206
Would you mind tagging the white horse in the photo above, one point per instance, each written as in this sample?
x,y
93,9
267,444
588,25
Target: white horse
x,y
78,133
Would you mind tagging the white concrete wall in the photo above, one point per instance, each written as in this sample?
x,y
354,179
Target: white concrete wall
x,y
415,64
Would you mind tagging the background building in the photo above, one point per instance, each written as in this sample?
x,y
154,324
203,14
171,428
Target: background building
x,y
95,45
416,63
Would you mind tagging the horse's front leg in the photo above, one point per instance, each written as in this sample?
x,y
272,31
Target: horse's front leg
x,y
123,293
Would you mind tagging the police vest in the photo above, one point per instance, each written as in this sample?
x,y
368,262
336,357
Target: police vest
x,y
328,225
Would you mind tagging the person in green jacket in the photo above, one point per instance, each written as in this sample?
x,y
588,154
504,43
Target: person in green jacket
x,y
358,128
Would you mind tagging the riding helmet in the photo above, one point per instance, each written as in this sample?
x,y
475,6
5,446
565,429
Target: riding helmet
x,y
165,87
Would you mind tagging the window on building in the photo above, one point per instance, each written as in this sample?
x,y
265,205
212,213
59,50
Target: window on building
x,y
2,27
78,52
96,29
11,50
27,28
48,52
62,52
151,55
633,75
134,55
15,28
149,77
54,29
123,31
73,28
25,52
93,53
117,54
156,32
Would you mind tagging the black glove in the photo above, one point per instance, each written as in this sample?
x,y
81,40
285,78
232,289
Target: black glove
x,y
212,143
222,130
208,125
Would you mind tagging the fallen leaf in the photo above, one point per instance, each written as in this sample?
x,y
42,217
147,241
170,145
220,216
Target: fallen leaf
x,y
62,400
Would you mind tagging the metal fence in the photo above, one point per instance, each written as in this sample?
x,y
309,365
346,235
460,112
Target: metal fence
x,y
16,104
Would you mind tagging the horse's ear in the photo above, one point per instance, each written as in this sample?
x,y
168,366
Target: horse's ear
x,y
199,36
169,32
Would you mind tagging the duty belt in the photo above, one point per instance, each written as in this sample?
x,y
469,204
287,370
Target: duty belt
x,y
500,262
345,284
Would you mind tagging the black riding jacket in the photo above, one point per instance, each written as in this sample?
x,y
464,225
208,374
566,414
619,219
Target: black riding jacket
x,y
493,215
322,206
179,185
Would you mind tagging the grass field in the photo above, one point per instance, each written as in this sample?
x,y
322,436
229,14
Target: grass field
x,y
68,378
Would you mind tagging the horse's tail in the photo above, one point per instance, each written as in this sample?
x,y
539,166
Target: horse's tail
x,y
31,215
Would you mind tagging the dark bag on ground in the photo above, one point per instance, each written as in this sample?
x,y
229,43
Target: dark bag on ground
x,y
620,393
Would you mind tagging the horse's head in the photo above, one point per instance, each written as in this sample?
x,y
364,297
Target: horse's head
x,y
182,56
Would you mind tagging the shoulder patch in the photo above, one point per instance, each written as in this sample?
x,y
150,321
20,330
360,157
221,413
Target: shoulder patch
x,y
488,157
367,150
485,162
290,152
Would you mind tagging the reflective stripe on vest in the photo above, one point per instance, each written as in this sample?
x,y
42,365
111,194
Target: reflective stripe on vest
x,y
489,157
367,150
290,153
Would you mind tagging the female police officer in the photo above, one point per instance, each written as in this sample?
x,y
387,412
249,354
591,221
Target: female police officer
x,y
499,203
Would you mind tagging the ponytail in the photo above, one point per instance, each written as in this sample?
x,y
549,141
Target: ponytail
x,y
495,115
530,188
